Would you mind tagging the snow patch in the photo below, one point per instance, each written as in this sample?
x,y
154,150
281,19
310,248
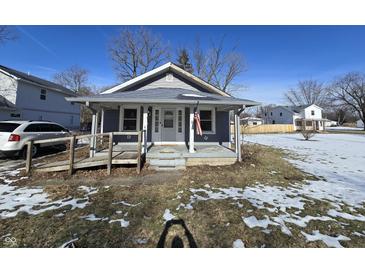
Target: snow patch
x,y
238,244
167,215
328,240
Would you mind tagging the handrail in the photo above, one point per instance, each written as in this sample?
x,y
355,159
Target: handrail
x,y
73,139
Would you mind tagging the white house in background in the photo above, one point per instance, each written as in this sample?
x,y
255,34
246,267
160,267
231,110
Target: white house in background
x,y
26,97
311,114
359,124
252,121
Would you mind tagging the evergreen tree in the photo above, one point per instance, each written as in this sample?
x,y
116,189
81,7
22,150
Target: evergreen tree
x,y
183,61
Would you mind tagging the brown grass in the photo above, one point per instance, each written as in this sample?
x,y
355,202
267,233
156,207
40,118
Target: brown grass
x,y
213,223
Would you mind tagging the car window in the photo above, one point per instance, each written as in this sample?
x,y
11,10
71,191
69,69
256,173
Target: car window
x,y
32,128
8,127
46,127
57,128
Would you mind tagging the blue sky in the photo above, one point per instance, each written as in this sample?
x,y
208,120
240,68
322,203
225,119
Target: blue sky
x,y
276,56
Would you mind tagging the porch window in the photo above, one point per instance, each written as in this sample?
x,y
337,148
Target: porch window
x,y
179,121
157,120
130,119
308,123
207,121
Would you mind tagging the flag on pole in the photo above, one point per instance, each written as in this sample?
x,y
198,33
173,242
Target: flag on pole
x,y
197,123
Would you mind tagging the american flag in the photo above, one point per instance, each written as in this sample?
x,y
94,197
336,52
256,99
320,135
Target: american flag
x,y
197,124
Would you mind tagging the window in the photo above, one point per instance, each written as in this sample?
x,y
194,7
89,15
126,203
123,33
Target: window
x,y
157,120
207,121
273,122
32,128
298,123
15,115
271,113
43,94
168,119
308,123
265,114
281,114
130,119
312,112
254,123
179,121
8,127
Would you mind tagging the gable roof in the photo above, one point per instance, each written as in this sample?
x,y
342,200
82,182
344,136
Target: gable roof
x,y
165,95
297,109
18,75
160,70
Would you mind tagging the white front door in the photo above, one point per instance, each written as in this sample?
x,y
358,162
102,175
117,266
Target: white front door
x,y
168,128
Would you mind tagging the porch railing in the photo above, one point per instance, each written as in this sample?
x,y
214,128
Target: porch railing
x,y
72,141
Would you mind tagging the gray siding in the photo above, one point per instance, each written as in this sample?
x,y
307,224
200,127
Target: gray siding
x,y
161,82
222,129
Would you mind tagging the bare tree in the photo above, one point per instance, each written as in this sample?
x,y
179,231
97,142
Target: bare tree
x,y
73,78
136,52
349,91
308,92
6,34
218,66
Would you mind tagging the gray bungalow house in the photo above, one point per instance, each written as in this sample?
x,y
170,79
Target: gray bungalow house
x,y
162,103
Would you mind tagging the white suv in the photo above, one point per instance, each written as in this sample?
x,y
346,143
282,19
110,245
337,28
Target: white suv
x,y
14,135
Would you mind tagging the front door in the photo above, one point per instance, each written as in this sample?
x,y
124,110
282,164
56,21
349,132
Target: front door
x,y
168,125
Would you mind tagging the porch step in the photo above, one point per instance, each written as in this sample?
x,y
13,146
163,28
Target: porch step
x,y
167,164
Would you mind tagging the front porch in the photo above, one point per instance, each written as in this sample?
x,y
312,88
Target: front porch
x,y
164,157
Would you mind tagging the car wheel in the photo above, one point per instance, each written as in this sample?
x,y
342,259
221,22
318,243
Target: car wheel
x,y
24,152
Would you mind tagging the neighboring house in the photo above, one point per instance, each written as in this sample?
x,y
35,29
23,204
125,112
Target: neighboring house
x,y
311,115
26,97
359,124
162,103
252,121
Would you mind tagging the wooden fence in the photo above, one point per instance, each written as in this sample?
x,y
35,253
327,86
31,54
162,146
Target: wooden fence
x,y
266,128
70,165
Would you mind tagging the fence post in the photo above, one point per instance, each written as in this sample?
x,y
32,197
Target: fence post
x,y
72,155
139,147
110,153
28,163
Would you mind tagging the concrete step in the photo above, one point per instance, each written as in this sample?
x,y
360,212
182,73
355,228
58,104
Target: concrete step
x,y
167,162
164,156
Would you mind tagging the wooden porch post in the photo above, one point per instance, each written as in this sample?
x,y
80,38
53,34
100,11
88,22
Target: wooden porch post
x,y
237,136
191,130
145,127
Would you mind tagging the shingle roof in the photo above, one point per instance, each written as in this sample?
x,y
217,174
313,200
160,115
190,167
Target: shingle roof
x,y
37,80
165,95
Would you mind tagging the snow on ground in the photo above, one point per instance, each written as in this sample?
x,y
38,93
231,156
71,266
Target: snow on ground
x,y
238,244
33,200
167,215
339,159
344,128
328,240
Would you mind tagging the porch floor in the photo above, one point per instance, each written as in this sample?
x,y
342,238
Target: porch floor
x,y
178,155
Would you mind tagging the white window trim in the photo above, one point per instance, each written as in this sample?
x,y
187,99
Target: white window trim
x,y
121,115
212,109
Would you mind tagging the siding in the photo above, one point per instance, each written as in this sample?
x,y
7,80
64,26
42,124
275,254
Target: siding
x,y
222,129
161,82
55,108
